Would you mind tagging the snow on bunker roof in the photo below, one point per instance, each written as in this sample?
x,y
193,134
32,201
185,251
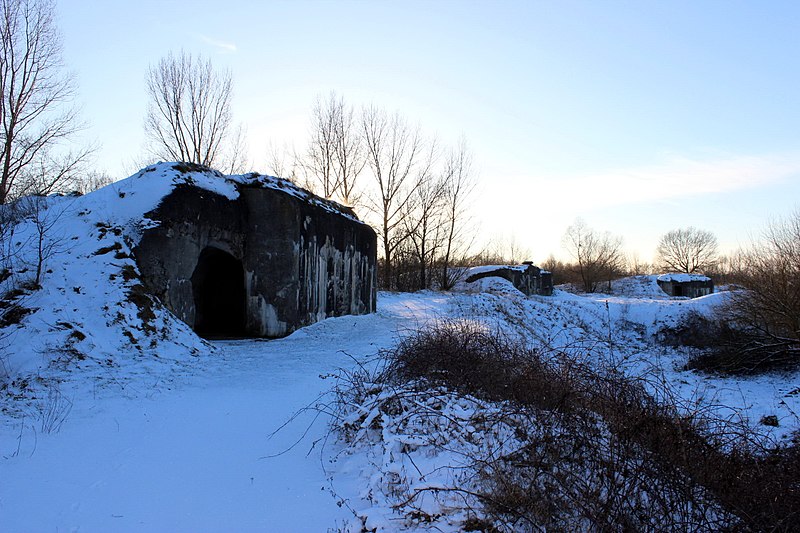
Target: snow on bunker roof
x,y
680,277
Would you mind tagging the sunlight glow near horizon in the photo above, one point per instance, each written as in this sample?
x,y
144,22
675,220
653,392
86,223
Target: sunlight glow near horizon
x,y
639,118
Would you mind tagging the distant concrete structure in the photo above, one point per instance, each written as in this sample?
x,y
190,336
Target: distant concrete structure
x,y
272,260
527,278
688,285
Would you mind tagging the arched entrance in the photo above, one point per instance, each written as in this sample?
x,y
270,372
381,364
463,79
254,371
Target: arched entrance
x,y
219,295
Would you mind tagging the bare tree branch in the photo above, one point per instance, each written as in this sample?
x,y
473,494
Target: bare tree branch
x,y
335,155
392,148
283,162
598,256
190,110
771,274
458,185
423,217
236,160
33,88
688,250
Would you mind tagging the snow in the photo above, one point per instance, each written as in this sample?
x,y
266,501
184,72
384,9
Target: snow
x,y
195,458
89,276
188,445
639,287
682,277
107,426
491,268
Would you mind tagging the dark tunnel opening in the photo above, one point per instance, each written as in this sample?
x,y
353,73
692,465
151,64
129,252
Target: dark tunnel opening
x,y
218,284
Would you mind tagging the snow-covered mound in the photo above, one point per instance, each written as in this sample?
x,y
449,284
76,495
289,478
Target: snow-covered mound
x,y
642,286
638,287
88,307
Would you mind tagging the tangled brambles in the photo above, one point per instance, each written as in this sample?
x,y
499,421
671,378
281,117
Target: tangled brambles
x,y
468,429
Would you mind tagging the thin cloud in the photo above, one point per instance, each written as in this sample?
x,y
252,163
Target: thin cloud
x,y
223,46
678,177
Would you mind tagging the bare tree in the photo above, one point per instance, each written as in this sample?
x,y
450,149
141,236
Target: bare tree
x,y
335,155
423,218
688,250
760,326
190,109
38,219
458,185
32,104
562,272
771,274
235,160
48,173
598,256
636,266
502,250
350,155
321,154
393,149
283,162
92,181
45,220
728,268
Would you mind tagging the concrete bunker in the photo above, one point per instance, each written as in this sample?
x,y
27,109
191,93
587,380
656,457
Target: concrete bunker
x,y
685,285
527,278
218,287
261,260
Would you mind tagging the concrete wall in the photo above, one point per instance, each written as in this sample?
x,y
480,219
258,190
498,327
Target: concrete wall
x,y
689,289
301,261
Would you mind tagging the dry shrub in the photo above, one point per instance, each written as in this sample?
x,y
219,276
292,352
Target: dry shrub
x,y
471,359
768,309
598,451
726,345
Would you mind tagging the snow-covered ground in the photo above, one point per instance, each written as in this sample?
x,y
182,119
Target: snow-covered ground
x,y
114,416
189,445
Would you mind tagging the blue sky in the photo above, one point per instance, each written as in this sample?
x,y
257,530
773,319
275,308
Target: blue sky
x,y
640,117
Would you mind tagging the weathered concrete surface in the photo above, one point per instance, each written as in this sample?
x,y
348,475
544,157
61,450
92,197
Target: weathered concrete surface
x,y
302,259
